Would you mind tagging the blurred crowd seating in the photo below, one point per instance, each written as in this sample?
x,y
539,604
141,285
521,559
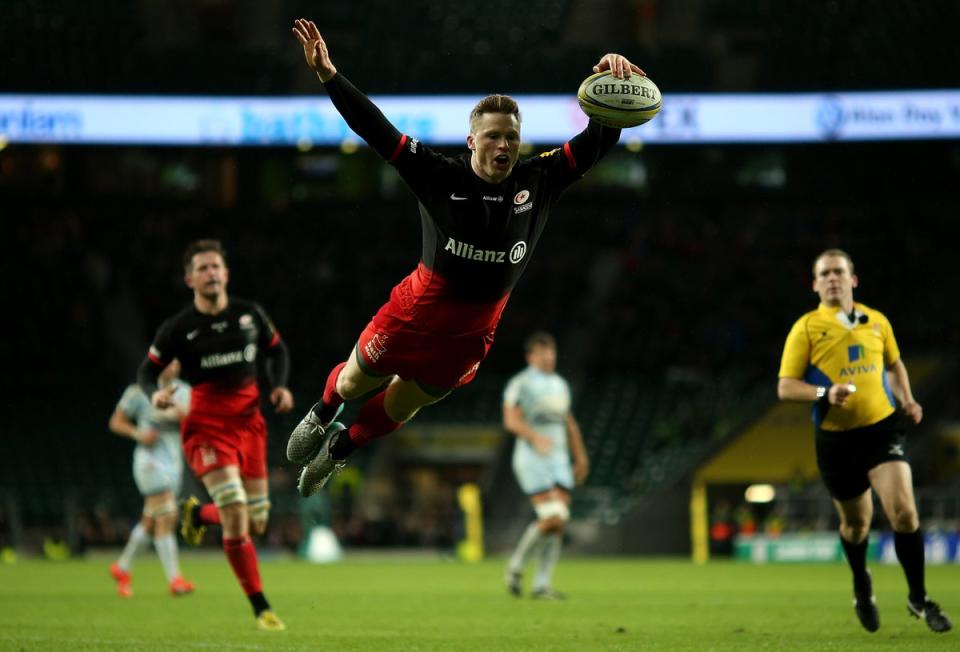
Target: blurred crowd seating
x,y
244,47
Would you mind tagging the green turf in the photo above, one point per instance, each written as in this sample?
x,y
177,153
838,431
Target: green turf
x,y
392,604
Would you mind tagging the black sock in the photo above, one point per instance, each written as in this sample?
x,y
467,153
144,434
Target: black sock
x,y
325,412
857,558
909,547
195,517
342,446
259,603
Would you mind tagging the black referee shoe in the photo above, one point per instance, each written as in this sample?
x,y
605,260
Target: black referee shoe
x,y
930,611
865,604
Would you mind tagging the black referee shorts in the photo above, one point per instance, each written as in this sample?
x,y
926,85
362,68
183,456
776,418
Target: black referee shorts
x,y
846,457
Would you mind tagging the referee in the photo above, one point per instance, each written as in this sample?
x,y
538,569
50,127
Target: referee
x,y
844,358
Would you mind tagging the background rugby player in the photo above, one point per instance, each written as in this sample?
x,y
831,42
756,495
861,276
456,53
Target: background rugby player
x,y
218,341
158,474
536,410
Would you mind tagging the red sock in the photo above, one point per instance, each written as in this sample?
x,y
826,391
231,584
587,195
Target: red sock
x,y
330,396
372,422
243,558
209,514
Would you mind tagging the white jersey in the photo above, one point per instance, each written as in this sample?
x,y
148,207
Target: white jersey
x,y
544,399
158,467
136,406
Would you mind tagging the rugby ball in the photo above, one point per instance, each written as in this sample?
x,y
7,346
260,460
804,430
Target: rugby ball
x,y
619,103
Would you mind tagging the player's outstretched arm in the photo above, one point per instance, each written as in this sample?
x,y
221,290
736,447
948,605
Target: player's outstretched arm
x,y
314,48
360,113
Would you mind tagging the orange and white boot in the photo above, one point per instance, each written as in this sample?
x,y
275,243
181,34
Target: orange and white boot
x,y
123,578
180,586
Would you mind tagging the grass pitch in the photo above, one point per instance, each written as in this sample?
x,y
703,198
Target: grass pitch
x,y
421,604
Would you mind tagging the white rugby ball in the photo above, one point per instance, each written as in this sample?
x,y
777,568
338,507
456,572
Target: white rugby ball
x,y
619,103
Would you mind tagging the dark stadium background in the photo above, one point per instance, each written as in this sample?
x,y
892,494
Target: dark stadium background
x,y
670,276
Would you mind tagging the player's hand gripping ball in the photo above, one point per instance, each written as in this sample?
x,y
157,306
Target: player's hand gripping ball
x,y
619,103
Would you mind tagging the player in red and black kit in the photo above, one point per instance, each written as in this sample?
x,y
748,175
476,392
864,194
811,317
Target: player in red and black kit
x,y
481,216
218,341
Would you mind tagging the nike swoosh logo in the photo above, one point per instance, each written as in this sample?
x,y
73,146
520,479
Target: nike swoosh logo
x,y
455,198
193,334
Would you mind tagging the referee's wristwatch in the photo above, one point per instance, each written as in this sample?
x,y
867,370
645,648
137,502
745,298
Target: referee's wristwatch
x,y
821,392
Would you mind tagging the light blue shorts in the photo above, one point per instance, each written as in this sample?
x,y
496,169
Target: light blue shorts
x,y
158,468
536,473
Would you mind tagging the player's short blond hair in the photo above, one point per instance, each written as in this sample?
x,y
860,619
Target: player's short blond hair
x,y
494,104
840,253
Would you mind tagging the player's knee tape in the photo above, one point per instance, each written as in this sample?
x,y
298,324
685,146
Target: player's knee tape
x,y
258,508
228,493
163,509
552,509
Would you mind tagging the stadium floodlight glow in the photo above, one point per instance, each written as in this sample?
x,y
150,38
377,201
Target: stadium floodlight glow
x,y
760,493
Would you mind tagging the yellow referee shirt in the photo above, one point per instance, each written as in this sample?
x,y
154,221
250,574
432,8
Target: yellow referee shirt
x,y
825,347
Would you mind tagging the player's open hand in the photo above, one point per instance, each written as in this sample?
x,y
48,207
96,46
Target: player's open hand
x,y
618,65
163,397
314,48
282,399
914,412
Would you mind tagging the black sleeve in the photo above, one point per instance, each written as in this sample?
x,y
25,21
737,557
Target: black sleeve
x,y
276,353
278,364
586,148
148,375
363,116
160,354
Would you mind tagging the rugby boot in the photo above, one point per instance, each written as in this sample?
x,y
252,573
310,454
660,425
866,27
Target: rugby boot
x,y
306,438
269,621
315,474
865,603
930,611
180,586
514,582
124,579
190,528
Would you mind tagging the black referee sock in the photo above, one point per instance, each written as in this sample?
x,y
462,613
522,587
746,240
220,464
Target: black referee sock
x,y
857,558
909,547
259,603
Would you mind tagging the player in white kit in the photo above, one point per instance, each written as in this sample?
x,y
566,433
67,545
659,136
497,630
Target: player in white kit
x,y
536,409
158,472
